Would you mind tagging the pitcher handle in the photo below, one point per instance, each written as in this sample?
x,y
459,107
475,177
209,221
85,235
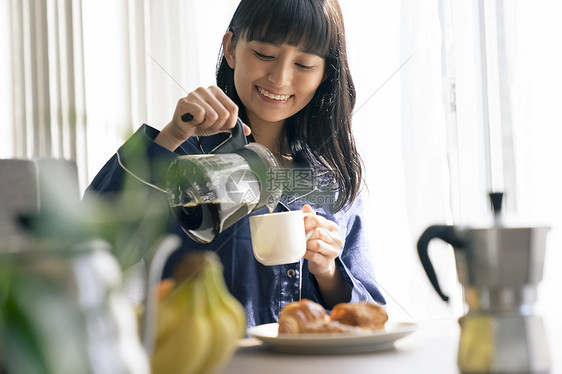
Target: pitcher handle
x,y
236,138
159,255
445,233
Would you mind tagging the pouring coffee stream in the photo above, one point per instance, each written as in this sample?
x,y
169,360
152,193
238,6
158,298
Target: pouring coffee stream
x,y
499,268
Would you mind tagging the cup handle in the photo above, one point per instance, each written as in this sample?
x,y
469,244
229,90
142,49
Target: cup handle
x,y
308,234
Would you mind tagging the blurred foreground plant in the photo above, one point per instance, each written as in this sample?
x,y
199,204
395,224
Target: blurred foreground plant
x,y
61,310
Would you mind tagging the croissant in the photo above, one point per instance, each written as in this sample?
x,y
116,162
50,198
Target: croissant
x,y
366,315
309,317
296,317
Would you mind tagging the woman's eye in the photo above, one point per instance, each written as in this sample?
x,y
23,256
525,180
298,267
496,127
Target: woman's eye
x,y
305,67
262,56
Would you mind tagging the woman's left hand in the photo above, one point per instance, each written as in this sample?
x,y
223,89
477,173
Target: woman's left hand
x,y
323,245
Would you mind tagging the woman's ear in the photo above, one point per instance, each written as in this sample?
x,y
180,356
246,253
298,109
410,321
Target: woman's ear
x,y
228,48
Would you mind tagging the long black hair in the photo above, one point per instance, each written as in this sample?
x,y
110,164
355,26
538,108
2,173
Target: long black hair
x,y
319,134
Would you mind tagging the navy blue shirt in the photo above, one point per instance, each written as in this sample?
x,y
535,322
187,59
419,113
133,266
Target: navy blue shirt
x,y
262,290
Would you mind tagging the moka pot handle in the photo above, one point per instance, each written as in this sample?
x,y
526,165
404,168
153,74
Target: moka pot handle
x,y
446,233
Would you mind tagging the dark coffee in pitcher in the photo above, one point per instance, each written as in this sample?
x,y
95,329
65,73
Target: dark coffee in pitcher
x,y
203,222
199,220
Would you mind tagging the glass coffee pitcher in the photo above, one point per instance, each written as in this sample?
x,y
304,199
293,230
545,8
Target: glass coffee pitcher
x,y
208,193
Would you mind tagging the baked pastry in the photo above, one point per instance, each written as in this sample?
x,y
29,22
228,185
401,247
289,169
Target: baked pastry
x,y
328,327
298,316
308,317
369,316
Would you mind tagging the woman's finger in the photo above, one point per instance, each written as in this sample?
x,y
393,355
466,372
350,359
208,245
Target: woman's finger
x,y
215,113
321,233
322,248
310,222
231,114
327,224
326,245
317,259
188,105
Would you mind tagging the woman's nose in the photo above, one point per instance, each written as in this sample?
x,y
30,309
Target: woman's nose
x,y
280,74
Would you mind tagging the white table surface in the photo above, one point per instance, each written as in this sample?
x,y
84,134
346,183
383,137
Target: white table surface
x,y
431,349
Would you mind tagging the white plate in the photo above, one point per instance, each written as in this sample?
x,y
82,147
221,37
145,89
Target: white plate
x,y
333,343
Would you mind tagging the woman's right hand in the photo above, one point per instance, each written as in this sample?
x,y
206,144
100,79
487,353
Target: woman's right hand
x,y
212,110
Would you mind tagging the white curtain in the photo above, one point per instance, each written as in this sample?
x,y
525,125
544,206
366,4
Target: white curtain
x,y
505,59
537,132
141,57
395,57
433,143
42,95
474,110
6,100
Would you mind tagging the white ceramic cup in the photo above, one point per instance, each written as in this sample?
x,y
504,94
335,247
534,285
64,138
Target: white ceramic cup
x,y
278,238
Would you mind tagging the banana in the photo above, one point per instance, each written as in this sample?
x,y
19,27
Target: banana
x,y
183,341
198,322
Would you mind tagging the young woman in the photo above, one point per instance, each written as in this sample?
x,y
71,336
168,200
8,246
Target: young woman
x,y
283,70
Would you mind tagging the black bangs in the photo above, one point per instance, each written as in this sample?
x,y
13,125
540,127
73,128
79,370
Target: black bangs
x,y
301,24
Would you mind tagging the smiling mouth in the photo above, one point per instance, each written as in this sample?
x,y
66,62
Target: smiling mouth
x,y
271,96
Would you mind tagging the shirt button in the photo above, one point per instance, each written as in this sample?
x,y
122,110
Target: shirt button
x,y
291,273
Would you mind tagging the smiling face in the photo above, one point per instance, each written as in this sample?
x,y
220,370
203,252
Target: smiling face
x,y
273,81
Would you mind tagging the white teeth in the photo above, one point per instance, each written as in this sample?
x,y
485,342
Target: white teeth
x,y
272,96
